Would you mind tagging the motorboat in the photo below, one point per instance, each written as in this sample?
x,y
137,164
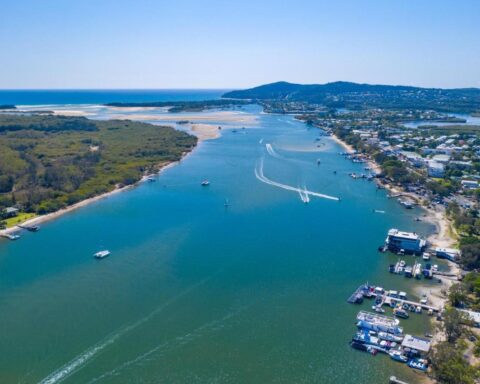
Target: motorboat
x,y
102,254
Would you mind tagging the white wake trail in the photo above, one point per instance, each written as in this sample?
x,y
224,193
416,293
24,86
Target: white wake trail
x,y
260,176
271,151
76,363
178,341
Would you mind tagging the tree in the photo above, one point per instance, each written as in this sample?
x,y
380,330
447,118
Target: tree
x,y
470,256
453,324
449,366
457,295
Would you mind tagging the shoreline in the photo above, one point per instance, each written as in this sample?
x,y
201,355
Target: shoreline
x,y
443,236
53,215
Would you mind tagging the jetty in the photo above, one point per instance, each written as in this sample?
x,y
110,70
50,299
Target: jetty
x,y
368,291
10,236
31,228
357,296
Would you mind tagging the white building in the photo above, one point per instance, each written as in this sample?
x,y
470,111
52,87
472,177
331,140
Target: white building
x,y
410,242
435,169
469,184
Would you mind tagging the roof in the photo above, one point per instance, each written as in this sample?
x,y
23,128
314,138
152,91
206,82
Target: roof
x,y
474,316
419,343
404,235
11,210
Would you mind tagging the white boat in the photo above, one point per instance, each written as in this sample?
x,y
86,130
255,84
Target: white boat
x,y
204,183
378,309
389,337
398,356
402,263
101,254
426,256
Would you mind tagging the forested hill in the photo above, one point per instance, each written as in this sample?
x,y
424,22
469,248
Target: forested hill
x,y
48,162
342,94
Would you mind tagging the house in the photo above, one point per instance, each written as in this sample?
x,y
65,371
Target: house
x,y
442,159
473,316
11,211
435,169
469,184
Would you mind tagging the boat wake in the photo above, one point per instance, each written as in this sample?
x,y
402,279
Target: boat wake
x,y
271,151
302,192
304,195
79,361
167,346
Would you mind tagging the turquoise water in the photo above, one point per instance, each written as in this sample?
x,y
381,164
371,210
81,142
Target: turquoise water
x,y
196,292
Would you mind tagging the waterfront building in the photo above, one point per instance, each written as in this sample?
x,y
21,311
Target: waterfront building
x,y
408,241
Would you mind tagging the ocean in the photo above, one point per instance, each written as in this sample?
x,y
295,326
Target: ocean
x,y
237,282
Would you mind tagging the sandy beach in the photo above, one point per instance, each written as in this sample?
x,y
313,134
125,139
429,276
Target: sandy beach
x,y
205,131
226,117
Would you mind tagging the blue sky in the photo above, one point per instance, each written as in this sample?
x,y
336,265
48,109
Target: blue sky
x,y
237,44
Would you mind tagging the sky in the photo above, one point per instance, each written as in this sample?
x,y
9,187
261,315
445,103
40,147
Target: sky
x,y
69,44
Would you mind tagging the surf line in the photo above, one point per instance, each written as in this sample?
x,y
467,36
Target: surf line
x,y
260,176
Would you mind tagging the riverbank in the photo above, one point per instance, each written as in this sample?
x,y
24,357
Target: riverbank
x,y
53,215
443,236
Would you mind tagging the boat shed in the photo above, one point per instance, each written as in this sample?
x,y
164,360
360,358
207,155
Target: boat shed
x,y
419,343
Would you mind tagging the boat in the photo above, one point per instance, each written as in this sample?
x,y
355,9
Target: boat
x,y
102,254
426,256
389,337
363,347
420,364
398,356
205,183
399,312
408,272
402,263
378,309
151,179
379,323
11,236
418,309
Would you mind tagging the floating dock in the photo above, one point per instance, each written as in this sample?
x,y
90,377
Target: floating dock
x,y
358,295
10,236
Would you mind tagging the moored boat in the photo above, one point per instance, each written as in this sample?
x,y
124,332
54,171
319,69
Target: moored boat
x,y
399,312
398,356
102,254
